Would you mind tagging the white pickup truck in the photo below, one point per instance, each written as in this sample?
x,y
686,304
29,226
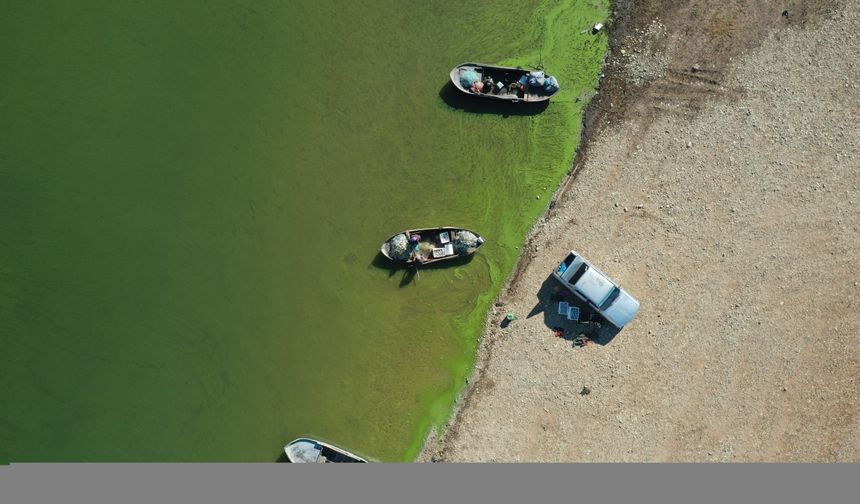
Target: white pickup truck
x,y
592,286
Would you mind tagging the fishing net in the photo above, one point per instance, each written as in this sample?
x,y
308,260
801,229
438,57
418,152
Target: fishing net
x,y
551,85
398,247
465,242
467,77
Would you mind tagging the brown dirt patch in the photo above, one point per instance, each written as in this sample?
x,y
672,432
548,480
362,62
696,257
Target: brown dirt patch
x,y
718,182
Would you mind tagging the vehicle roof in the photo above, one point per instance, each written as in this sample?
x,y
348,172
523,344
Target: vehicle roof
x,y
594,285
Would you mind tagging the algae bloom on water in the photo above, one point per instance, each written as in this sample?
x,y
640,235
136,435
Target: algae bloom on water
x,y
193,196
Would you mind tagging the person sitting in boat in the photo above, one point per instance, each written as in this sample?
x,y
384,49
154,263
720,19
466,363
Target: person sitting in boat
x,y
477,87
415,255
516,87
488,84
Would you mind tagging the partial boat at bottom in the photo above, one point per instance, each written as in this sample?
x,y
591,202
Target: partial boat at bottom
x,y
429,245
305,450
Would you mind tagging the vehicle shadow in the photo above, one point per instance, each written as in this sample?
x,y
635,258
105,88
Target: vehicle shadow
x,y
461,101
590,324
411,273
282,458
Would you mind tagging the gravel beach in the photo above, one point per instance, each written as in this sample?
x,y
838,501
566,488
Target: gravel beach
x,y
720,186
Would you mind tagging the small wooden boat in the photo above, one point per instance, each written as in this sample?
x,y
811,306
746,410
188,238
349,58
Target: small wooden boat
x,y
429,245
304,450
506,83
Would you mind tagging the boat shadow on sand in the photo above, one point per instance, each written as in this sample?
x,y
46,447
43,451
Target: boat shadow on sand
x,y
590,324
461,101
411,273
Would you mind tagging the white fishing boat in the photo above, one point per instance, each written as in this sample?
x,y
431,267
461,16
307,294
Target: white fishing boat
x,y
429,245
503,83
305,450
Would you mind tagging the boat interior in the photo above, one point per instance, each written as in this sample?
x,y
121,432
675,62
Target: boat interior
x,y
434,245
329,455
509,80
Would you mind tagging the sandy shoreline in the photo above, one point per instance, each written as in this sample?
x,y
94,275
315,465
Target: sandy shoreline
x,y
718,183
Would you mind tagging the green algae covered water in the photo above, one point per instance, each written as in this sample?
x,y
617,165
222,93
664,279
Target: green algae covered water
x,y
192,196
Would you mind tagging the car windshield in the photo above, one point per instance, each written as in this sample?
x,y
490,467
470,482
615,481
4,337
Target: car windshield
x,y
611,298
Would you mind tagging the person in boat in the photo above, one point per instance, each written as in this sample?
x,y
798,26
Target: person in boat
x,y
516,87
415,255
488,84
477,87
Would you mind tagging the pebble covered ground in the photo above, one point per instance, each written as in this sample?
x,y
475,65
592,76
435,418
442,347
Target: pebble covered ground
x,y
728,205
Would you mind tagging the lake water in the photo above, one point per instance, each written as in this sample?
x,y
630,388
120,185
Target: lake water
x,y
192,196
